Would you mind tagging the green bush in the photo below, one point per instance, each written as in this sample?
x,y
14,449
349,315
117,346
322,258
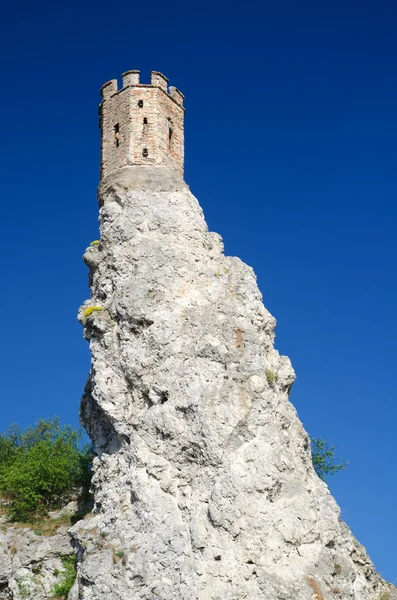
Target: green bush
x,y
323,458
42,467
68,575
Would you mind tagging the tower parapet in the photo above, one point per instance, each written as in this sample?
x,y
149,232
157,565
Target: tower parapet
x,y
141,124
176,95
108,89
130,78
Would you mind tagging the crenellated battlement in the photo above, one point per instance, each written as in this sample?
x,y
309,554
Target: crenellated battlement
x,y
132,79
108,89
159,80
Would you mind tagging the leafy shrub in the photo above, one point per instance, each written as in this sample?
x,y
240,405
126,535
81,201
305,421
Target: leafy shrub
x,y
95,243
41,467
90,309
323,458
68,576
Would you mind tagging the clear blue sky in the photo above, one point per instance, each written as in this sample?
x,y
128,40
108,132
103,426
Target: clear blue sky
x,y
291,136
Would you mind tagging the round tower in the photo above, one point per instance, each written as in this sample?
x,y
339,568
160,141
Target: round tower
x,y
141,124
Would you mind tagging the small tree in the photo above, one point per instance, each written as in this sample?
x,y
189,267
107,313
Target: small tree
x,y
323,457
42,467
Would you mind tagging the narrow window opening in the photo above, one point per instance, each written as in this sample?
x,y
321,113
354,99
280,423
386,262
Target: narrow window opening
x,y
144,120
116,133
170,140
140,103
145,152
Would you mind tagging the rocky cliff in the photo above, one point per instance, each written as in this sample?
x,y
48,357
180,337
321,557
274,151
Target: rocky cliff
x,y
204,486
32,558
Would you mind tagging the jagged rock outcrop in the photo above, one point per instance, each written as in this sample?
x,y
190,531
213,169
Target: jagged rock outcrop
x,y
204,486
31,561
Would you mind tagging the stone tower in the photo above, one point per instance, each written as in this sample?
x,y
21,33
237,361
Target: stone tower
x,y
141,124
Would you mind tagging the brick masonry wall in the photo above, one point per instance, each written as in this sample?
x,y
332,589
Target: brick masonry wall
x,y
132,134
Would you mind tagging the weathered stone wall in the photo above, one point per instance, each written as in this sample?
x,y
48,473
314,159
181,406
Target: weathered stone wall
x,y
136,122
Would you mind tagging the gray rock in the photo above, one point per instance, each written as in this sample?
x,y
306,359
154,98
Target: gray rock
x,y
204,485
31,563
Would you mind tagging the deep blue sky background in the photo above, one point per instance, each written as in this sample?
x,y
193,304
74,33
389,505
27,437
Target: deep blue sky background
x,y
291,136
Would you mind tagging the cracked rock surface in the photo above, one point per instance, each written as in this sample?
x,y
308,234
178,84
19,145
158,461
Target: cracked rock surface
x,y
30,562
204,486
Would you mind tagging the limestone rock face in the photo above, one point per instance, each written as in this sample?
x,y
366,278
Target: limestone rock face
x,y
204,486
30,562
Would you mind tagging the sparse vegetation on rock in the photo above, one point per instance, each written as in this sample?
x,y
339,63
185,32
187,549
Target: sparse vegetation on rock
x,y
324,460
90,309
67,577
271,377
